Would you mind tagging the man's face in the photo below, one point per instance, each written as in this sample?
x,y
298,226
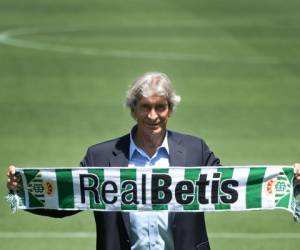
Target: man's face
x,y
151,114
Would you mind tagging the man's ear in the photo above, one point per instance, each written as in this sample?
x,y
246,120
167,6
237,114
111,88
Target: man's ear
x,y
132,112
170,111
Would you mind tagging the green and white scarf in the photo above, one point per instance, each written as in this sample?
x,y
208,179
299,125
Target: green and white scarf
x,y
176,189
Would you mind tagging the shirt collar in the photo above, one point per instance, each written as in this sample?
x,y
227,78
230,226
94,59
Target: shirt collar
x,y
133,147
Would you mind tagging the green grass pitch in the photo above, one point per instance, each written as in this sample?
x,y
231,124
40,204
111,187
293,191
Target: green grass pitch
x,y
65,66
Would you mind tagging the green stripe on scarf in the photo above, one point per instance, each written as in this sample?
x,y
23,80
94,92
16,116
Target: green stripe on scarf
x,y
65,188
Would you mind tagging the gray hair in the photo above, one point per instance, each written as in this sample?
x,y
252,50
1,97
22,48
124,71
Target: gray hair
x,y
149,84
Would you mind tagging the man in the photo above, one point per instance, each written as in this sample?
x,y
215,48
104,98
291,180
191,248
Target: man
x,y
151,100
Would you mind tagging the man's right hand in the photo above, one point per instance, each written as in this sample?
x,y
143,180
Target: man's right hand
x,y
12,180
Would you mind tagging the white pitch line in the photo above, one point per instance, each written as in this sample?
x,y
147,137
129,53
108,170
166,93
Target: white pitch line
x,y
15,235
10,37
21,43
246,236
254,236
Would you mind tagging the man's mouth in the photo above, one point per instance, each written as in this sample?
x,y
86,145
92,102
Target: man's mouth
x,y
153,124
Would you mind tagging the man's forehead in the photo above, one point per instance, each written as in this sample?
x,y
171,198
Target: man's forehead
x,y
155,99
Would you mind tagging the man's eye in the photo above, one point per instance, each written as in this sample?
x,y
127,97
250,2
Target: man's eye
x,y
161,107
145,107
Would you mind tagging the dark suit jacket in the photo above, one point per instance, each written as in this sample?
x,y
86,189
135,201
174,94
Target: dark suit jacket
x,y
113,228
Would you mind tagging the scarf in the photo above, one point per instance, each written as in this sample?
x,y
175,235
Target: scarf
x,y
175,189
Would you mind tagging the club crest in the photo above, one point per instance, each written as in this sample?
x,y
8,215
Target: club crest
x,y
278,187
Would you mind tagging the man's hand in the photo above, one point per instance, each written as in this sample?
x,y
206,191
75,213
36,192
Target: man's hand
x,y
12,180
297,172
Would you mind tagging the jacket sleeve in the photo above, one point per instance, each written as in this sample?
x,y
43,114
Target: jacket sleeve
x,y
209,157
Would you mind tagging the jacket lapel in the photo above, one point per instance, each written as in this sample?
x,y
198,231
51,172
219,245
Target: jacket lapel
x,y
126,220
176,150
118,160
120,153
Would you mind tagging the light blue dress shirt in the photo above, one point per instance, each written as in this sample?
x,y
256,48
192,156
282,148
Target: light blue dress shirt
x,y
150,230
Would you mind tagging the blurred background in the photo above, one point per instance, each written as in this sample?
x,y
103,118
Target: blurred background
x,y
66,65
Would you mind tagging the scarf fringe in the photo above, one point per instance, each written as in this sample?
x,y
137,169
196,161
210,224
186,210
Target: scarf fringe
x,y
297,212
13,201
296,208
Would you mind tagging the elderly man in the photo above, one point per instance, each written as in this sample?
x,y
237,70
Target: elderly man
x,y
151,100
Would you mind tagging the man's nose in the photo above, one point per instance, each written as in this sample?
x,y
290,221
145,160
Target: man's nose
x,y
152,114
